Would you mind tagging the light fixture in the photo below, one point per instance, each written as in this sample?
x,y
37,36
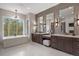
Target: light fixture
x,y
34,23
28,8
34,28
63,17
56,23
41,19
72,12
77,22
15,13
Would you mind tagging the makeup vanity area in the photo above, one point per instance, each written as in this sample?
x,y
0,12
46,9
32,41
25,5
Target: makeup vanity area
x,y
60,27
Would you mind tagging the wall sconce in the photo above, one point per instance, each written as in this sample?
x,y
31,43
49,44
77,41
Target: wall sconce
x,y
77,22
34,23
41,19
56,23
34,28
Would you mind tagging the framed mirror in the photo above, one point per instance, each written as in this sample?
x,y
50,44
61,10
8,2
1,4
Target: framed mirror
x,y
40,24
67,20
49,23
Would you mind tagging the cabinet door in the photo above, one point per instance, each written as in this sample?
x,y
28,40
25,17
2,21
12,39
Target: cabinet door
x,y
37,38
67,45
34,37
60,43
53,42
76,47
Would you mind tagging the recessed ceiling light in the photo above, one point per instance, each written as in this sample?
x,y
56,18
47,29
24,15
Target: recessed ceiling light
x,y
62,17
72,12
28,8
70,7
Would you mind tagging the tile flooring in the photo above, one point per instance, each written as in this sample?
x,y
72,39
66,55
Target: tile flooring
x,y
31,49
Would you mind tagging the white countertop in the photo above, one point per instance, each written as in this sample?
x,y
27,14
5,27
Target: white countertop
x,y
76,36
49,35
40,33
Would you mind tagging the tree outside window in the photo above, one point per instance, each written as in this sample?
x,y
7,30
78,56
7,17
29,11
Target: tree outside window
x,y
13,27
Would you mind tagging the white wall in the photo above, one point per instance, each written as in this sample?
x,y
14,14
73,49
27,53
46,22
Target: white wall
x,y
31,19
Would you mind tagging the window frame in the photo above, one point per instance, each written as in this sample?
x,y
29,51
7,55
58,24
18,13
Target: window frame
x,y
3,21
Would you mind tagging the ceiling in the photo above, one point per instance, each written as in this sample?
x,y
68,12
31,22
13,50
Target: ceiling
x,y
25,8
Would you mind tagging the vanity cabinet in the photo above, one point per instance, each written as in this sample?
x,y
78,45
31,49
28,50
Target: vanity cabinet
x,y
67,44
62,43
53,42
34,38
76,46
37,38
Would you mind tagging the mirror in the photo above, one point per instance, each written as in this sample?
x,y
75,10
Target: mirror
x,y
67,20
40,24
50,23
46,25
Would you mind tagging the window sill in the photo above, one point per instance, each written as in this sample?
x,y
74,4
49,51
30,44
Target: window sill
x,y
10,37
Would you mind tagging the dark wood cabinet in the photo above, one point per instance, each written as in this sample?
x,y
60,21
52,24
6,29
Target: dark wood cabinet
x,y
65,44
53,42
62,43
37,38
34,38
76,47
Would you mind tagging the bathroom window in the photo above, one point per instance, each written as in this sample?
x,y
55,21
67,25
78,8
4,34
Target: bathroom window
x,y
13,27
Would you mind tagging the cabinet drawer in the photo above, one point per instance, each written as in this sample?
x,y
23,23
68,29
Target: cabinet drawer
x,y
53,40
76,52
76,45
77,39
54,45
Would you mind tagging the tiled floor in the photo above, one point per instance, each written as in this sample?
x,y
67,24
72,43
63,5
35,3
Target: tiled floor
x,y
31,49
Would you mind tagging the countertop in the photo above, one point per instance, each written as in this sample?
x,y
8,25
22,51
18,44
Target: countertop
x,y
41,33
77,36
49,35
